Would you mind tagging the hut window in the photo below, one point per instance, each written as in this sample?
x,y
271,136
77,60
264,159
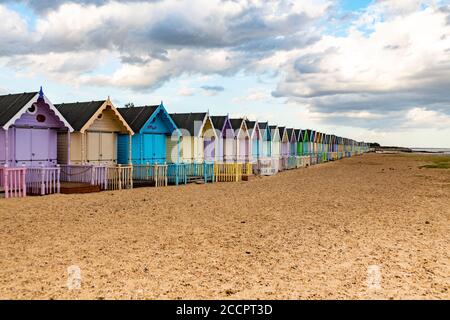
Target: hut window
x,y
32,109
40,118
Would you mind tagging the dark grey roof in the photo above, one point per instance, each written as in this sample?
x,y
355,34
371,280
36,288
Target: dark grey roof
x,y
136,117
273,130
218,122
186,121
290,131
79,113
281,131
236,123
298,133
11,104
263,125
250,124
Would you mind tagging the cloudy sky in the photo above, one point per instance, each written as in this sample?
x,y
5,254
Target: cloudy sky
x,y
371,70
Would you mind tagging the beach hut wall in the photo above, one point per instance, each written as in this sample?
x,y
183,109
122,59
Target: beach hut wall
x,y
242,138
29,125
266,150
199,141
256,140
154,145
225,133
97,125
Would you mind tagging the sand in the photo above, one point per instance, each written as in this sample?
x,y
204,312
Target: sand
x,y
315,233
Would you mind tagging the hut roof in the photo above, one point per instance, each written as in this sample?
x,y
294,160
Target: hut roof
x,y
79,113
136,117
11,104
250,124
263,125
281,131
187,121
298,133
219,121
236,123
290,133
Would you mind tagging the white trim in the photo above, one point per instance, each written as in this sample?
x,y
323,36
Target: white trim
x,y
254,129
29,104
100,111
277,133
199,135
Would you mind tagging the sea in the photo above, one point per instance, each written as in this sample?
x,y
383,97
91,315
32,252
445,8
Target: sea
x,y
432,150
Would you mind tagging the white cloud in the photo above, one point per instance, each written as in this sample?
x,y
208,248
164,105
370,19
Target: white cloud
x,y
424,118
254,95
186,92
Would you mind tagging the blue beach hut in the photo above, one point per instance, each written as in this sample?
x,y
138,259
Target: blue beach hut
x,y
155,145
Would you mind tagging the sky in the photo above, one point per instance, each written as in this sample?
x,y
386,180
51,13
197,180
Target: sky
x,y
370,70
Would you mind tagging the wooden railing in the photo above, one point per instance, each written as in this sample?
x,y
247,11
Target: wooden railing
x,y
153,173
314,159
276,164
119,177
333,156
12,181
43,181
305,161
177,173
232,172
94,175
200,170
292,162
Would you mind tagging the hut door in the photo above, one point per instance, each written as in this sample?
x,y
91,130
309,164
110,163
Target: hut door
x,y
107,147
93,147
159,151
40,147
148,148
209,149
23,144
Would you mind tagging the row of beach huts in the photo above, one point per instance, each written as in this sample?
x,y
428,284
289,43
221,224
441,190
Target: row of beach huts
x,y
93,146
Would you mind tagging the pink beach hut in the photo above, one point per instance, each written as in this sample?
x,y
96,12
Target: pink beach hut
x,y
28,144
242,138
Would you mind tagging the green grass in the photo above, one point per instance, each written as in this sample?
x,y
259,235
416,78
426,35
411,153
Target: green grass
x,y
436,161
433,161
437,165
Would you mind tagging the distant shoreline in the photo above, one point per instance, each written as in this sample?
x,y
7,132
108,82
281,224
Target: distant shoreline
x,y
390,149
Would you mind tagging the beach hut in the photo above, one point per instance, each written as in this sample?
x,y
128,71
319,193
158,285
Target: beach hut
x,y
340,146
320,147
229,168
198,145
301,159
313,147
298,134
306,143
255,138
285,143
29,125
154,145
265,164
276,148
226,150
292,159
89,154
331,147
266,150
242,138
327,147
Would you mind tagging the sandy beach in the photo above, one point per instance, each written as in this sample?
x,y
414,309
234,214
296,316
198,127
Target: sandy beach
x,y
303,234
